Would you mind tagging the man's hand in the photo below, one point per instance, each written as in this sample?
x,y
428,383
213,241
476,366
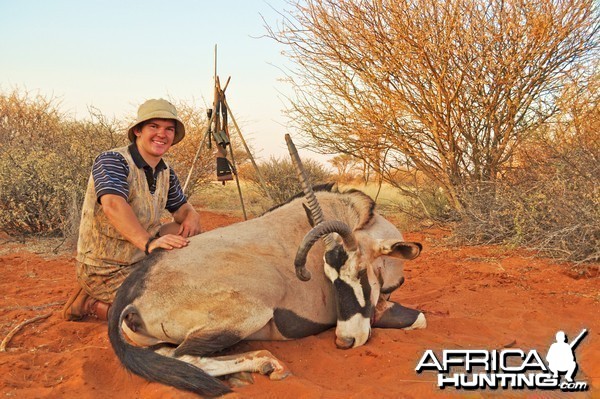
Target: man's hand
x,y
121,215
168,242
189,221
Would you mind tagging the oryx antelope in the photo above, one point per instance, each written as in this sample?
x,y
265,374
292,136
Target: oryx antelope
x,y
238,283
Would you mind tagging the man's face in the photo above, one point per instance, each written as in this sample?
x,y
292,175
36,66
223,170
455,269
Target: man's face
x,y
155,138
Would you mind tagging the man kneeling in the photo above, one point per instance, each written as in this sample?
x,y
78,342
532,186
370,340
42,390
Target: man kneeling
x,y
120,222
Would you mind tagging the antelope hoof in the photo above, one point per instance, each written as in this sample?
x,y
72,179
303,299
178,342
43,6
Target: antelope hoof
x,y
272,366
266,368
240,379
276,370
420,323
280,374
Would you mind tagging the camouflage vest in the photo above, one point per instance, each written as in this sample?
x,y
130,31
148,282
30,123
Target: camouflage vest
x,y
99,242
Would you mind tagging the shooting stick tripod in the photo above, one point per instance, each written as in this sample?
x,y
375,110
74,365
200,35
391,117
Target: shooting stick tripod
x,y
218,130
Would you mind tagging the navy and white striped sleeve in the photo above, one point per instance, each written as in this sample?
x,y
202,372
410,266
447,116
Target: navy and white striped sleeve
x,y
110,173
176,197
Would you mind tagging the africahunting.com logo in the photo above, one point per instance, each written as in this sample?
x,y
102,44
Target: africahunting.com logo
x,y
507,368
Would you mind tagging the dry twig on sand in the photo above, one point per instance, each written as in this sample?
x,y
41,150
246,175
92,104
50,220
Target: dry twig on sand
x,y
12,332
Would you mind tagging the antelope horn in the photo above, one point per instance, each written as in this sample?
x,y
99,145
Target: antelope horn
x,y
311,198
331,226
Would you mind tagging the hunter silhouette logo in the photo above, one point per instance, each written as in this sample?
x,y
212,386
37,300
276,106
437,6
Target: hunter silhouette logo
x,y
507,368
561,355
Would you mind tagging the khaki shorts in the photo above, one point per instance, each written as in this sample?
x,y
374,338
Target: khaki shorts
x,y
102,282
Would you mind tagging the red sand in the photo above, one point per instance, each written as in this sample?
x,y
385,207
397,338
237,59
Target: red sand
x,y
474,298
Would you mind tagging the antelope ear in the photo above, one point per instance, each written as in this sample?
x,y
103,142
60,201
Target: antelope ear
x,y
401,249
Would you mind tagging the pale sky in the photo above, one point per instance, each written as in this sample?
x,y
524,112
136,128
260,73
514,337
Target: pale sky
x,y
114,55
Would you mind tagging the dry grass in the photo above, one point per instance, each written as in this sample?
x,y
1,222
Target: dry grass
x,y
225,199
220,198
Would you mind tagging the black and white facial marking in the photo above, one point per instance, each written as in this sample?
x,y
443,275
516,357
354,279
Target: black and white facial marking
x,y
348,304
336,258
353,292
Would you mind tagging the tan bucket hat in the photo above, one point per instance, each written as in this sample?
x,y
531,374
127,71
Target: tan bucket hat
x,y
161,109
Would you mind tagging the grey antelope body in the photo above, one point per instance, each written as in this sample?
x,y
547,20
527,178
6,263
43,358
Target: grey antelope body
x,y
238,283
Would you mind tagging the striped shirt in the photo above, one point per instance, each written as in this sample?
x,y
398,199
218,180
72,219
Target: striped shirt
x,y
110,173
